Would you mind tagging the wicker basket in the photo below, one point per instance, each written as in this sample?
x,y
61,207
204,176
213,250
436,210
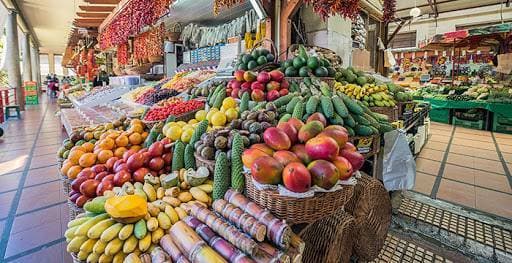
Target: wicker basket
x,y
270,65
74,210
200,161
66,185
371,208
298,210
333,58
329,239
391,112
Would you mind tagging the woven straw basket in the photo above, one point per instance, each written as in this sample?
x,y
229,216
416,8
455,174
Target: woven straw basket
x,y
298,210
329,239
371,208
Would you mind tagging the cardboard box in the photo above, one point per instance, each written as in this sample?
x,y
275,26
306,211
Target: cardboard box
x,y
361,59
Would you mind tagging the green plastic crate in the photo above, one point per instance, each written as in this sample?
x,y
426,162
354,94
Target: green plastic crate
x,y
501,124
440,115
479,125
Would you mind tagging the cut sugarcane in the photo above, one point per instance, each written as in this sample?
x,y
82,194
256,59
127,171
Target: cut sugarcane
x,y
189,242
240,219
170,247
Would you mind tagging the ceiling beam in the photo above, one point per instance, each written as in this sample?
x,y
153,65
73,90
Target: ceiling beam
x,y
89,20
95,8
103,2
425,5
397,29
21,17
93,15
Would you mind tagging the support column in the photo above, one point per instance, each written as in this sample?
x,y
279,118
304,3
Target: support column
x,y
12,57
27,64
51,63
35,66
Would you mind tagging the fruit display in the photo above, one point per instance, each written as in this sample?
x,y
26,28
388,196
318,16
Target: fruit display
x,y
304,65
184,81
299,155
180,130
353,76
263,86
153,96
133,218
177,108
478,92
459,97
257,57
134,94
370,94
205,90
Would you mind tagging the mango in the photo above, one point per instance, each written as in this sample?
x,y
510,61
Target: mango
x,y
310,130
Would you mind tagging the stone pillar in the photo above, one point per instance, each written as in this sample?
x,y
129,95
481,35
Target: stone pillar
x,y
27,64
12,57
34,53
51,63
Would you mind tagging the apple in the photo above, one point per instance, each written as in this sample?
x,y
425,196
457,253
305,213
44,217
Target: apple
x,y
75,185
263,77
104,186
88,187
257,85
156,149
101,175
138,176
87,173
110,163
128,154
156,164
239,75
257,95
109,177
98,168
122,177
135,161
121,167
272,95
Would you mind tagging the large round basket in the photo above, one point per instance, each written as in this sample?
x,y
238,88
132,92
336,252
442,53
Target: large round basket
x,y
371,208
329,239
200,161
66,184
74,210
298,210
75,258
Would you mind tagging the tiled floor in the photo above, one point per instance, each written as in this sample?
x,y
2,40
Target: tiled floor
x,y
464,167
33,212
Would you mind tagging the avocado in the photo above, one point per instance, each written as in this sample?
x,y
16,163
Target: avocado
x,y
298,62
288,63
321,72
246,58
304,71
261,60
270,57
242,66
290,72
255,53
252,64
361,81
325,62
331,72
312,63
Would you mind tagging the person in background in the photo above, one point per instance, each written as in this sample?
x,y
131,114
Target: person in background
x,y
101,77
53,85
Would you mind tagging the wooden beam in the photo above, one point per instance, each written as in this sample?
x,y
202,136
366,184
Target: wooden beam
x,y
89,20
95,8
397,29
103,2
93,15
288,9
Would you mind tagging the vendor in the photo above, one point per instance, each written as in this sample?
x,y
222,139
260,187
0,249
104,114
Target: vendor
x,y
101,77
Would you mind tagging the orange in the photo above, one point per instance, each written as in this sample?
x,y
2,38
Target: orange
x,y
78,147
88,136
107,144
74,156
135,138
144,135
120,151
113,135
137,128
89,147
104,155
65,167
136,147
87,160
73,171
122,141
103,136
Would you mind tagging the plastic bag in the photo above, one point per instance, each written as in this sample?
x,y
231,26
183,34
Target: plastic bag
x,y
399,166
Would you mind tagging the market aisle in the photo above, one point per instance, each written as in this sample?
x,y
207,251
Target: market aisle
x,y
467,167
33,210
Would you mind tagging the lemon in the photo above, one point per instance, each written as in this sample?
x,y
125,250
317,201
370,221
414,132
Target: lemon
x,y
231,114
229,103
166,127
187,126
222,108
174,133
218,119
210,113
192,121
200,115
181,123
186,135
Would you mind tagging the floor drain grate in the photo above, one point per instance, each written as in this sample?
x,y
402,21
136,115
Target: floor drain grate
x,y
486,234
400,250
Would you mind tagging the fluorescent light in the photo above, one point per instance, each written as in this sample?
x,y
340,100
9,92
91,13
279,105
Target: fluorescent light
x,y
258,7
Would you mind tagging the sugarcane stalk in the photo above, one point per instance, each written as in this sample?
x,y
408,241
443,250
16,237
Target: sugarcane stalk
x,y
223,247
297,243
224,229
170,247
277,230
276,254
240,219
295,255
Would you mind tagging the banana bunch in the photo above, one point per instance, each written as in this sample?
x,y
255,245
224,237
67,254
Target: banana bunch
x,y
97,237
